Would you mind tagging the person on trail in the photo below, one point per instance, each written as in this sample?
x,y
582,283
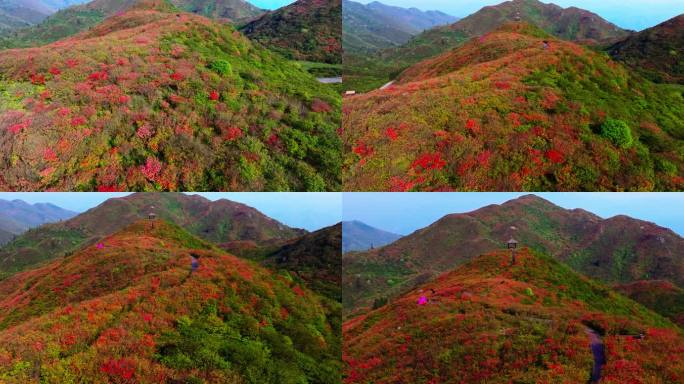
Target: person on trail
x,y
546,44
194,264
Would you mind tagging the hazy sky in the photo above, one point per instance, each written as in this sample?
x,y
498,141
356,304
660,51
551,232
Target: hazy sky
x,y
270,4
629,14
404,213
302,210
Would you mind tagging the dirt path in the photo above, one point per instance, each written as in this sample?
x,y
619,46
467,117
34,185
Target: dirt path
x,y
598,349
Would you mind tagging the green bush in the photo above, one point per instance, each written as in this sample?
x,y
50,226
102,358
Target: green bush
x,y
222,67
618,132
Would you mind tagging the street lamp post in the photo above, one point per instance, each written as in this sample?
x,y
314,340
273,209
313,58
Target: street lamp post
x,y
512,245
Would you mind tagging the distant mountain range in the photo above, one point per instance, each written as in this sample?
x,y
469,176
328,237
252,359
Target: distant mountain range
x,y
373,26
657,53
150,302
359,236
17,216
17,14
220,222
618,250
307,30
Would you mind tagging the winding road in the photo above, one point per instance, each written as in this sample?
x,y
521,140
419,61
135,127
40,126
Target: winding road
x,y
387,85
330,80
598,349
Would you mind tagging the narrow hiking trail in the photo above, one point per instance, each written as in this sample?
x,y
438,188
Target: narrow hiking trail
x,y
598,349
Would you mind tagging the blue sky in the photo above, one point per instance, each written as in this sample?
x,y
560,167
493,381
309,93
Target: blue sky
x,y
270,4
404,213
629,14
310,211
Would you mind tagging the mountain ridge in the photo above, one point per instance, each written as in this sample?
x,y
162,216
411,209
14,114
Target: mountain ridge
x,y
218,222
616,250
154,303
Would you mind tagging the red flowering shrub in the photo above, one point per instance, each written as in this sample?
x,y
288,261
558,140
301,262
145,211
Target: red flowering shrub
x,y
144,132
214,96
78,121
554,156
98,76
472,126
119,369
363,150
233,133
55,71
502,85
177,76
428,161
391,133
16,128
38,79
49,155
151,169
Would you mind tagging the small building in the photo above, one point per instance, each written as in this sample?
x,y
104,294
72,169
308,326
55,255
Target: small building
x,y
350,93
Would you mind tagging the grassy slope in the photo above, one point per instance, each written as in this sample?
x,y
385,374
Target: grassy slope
x,y
491,322
149,101
503,113
131,311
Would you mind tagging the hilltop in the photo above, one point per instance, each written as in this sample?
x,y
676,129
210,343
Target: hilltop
x,y
655,52
374,26
131,309
572,24
219,222
158,100
308,30
359,236
508,111
617,250
488,321
72,20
